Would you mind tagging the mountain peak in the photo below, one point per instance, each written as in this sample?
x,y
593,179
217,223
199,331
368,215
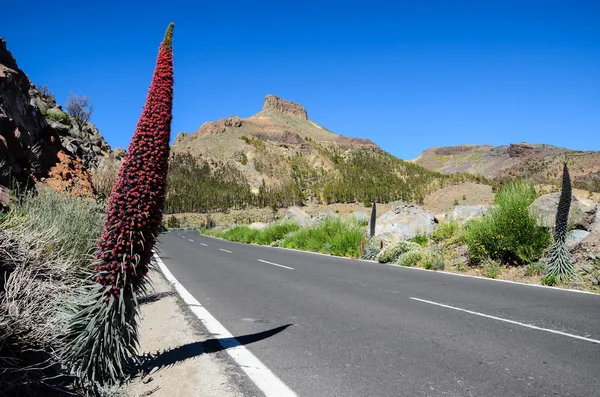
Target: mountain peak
x,y
275,104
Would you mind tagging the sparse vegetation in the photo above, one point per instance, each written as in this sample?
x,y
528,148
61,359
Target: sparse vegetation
x,y
534,269
491,269
410,258
57,115
80,109
446,231
422,240
549,280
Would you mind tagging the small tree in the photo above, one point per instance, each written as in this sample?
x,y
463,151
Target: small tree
x,y
80,110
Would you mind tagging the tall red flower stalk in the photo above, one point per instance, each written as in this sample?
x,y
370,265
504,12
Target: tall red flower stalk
x,y
102,335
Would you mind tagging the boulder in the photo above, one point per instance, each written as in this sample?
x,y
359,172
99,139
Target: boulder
x,y
596,224
574,237
297,215
321,217
463,213
581,216
258,225
360,216
404,222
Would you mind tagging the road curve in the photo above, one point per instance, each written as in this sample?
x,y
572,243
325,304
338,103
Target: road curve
x,y
365,329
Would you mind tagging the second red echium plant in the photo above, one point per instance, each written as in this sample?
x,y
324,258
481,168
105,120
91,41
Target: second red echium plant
x,y
102,335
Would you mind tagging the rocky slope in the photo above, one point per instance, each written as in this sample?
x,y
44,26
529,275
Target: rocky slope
x,y
38,140
541,163
265,141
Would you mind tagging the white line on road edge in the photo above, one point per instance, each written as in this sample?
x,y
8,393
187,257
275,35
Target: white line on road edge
x,y
275,264
509,321
224,250
262,376
206,245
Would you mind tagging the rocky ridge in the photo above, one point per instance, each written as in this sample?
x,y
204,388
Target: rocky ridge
x,y
38,139
540,162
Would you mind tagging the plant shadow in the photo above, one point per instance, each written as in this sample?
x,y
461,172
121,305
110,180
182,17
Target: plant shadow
x,y
167,358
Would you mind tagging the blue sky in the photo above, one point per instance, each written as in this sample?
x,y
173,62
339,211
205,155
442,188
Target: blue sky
x,y
406,74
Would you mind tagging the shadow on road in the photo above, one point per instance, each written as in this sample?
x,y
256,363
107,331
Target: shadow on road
x,y
179,354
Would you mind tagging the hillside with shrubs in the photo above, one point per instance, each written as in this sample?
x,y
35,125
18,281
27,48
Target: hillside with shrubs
x,y
279,157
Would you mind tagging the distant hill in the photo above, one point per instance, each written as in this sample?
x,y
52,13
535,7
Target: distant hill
x,y
280,157
539,162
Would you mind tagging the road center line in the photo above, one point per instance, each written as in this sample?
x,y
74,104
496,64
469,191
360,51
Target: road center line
x,y
509,321
206,245
275,264
258,372
225,250
191,240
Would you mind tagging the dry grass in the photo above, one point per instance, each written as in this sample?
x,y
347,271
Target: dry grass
x,y
105,176
45,248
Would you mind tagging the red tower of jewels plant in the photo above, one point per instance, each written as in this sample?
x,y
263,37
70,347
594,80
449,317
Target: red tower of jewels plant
x,y
102,334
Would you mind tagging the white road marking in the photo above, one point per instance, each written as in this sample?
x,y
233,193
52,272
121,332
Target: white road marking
x,y
204,244
182,237
509,321
275,264
224,250
262,376
191,240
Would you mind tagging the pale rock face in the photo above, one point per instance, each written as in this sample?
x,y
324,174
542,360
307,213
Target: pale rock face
x,y
574,237
463,213
258,226
405,222
582,215
280,105
297,215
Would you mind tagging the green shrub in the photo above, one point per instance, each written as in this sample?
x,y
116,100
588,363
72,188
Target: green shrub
x,y
421,240
275,232
435,261
460,268
410,258
491,269
371,250
57,115
534,269
244,159
241,234
510,233
549,280
445,231
391,252
428,262
332,236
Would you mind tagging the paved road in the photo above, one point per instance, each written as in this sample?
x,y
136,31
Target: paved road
x,y
357,329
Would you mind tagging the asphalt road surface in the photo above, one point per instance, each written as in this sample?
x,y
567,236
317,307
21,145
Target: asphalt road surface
x,y
357,328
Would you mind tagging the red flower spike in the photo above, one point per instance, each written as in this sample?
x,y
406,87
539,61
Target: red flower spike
x,y
142,179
